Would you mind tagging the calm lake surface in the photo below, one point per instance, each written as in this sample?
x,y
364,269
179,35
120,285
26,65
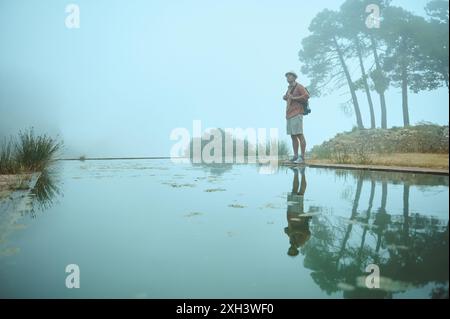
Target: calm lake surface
x,y
155,229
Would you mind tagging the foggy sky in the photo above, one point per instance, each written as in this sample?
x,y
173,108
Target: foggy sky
x,y
135,70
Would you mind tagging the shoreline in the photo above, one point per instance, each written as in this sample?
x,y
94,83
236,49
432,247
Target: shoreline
x,y
9,183
383,168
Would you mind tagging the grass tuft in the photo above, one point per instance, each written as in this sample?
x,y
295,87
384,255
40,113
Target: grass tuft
x,y
28,153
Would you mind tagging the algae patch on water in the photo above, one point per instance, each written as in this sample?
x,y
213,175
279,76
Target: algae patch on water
x,y
236,206
211,190
193,214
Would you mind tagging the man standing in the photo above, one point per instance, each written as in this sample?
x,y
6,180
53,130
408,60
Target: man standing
x,y
295,97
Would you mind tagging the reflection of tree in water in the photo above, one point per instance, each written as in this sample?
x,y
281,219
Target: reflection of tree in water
x,y
197,159
214,169
230,150
45,191
410,250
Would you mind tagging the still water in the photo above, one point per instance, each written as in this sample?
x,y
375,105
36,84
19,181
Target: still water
x,y
155,229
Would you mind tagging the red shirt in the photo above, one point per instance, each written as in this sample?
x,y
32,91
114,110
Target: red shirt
x,y
294,106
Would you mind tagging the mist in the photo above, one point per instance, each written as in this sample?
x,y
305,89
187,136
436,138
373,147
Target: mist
x,y
133,72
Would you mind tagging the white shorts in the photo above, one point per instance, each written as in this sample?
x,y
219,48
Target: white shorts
x,y
294,125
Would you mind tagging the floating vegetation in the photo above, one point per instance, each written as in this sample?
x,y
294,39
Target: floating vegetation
x,y
193,214
104,176
176,185
157,168
138,167
211,190
272,206
236,206
214,178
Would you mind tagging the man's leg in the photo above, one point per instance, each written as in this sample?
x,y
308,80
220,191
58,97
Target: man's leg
x,y
295,143
302,140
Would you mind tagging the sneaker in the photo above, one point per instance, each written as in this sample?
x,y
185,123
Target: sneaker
x,y
299,160
293,159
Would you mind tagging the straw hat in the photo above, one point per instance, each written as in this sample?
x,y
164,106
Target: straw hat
x,y
291,72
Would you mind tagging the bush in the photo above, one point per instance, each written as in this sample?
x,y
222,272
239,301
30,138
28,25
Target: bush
x,y
422,138
283,149
242,148
36,152
27,153
8,161
341,154
361,154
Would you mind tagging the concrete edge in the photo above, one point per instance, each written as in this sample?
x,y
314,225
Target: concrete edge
x,y
396,169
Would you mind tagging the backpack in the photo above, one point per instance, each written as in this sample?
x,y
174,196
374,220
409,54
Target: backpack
x,y
306,108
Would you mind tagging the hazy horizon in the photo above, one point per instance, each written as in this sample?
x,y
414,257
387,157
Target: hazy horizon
x,y
135,71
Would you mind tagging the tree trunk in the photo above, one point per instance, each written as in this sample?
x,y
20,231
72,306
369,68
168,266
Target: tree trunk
x,y
366,84
406,210
352,217
381,211
405,200
405,97
383,110
383,196
369,209
404,72
350,84
380,92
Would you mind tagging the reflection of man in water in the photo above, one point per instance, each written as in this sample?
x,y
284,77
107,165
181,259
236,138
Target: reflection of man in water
x,y
298,225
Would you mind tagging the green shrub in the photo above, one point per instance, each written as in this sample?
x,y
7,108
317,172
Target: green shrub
x,y
422,138
36,152
8,161
27,153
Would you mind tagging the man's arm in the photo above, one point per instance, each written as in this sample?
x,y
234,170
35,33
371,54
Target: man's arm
x,y
303,97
